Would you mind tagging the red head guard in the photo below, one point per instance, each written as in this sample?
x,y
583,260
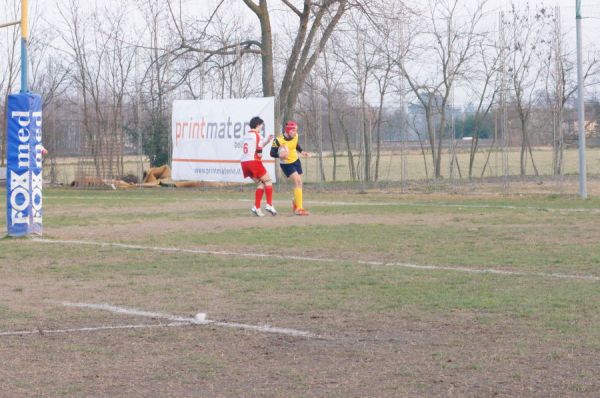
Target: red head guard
x,y
289,126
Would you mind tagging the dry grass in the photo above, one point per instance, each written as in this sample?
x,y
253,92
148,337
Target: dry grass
x,y
391,165
391,331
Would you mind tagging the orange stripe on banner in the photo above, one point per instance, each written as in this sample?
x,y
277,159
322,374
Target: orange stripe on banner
x,y
213,161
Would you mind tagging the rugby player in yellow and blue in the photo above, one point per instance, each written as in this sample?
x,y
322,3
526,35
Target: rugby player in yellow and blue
x,y
290,164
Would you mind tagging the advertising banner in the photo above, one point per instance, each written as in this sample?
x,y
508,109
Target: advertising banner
x,y
207,137
24,164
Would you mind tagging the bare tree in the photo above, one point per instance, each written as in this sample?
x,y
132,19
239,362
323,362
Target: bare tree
x,y
413,125
119,64
339,109
156,82
343,114
484,85
228,71
84,74
316,22
386,22
49,70
561,83
332,84
102,64
449,54
49,74
359,55
526,33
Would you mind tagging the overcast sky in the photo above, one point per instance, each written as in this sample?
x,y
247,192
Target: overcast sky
x,y
590,11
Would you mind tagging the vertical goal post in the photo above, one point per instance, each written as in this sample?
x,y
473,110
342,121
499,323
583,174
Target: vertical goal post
x,y
24,150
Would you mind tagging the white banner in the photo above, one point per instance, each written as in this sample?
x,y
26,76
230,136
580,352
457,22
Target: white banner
x,y
207,137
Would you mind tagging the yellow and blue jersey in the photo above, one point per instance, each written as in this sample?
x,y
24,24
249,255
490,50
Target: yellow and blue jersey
x,y
292,146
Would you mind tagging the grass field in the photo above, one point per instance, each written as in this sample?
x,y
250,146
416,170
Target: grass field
x,y
378,294
391,164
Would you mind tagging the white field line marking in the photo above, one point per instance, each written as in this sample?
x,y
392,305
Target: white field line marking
x,y
134,312
325,260
442,205
87,329
484,271
191,321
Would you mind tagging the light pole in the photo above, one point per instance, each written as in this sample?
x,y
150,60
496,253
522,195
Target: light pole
x,y
580,108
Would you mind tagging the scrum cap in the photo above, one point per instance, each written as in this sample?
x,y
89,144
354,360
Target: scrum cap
x,y
289,126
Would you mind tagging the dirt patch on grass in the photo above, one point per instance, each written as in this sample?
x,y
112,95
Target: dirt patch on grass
x,y
385,353
390,352
384,357
142,228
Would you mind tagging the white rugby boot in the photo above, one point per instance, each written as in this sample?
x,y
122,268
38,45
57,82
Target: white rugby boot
x,y
257,212
271,209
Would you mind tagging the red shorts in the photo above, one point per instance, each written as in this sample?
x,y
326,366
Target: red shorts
x,y
253,169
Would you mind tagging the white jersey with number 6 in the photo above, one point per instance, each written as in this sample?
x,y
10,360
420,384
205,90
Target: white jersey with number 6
x,y
252,145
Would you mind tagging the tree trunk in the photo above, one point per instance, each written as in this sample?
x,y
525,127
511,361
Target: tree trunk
x,y
431,136
523,146
266,45
331,133
351,165
438,160
367,143
378,150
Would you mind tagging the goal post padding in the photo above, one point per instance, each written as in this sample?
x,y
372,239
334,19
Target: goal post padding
x,y
24,164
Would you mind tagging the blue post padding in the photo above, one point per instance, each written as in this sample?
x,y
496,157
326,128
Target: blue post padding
x,y
24,164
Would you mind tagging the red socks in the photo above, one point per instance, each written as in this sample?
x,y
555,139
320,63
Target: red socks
x,y
269,190
259,194
258,197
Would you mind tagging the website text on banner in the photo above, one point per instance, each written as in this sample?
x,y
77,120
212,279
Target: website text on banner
x,y
24,165
207,137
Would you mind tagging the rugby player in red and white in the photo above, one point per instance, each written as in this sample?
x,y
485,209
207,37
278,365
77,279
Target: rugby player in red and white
x,y
252,166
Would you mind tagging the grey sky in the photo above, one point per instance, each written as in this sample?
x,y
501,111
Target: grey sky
x,y
590,11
